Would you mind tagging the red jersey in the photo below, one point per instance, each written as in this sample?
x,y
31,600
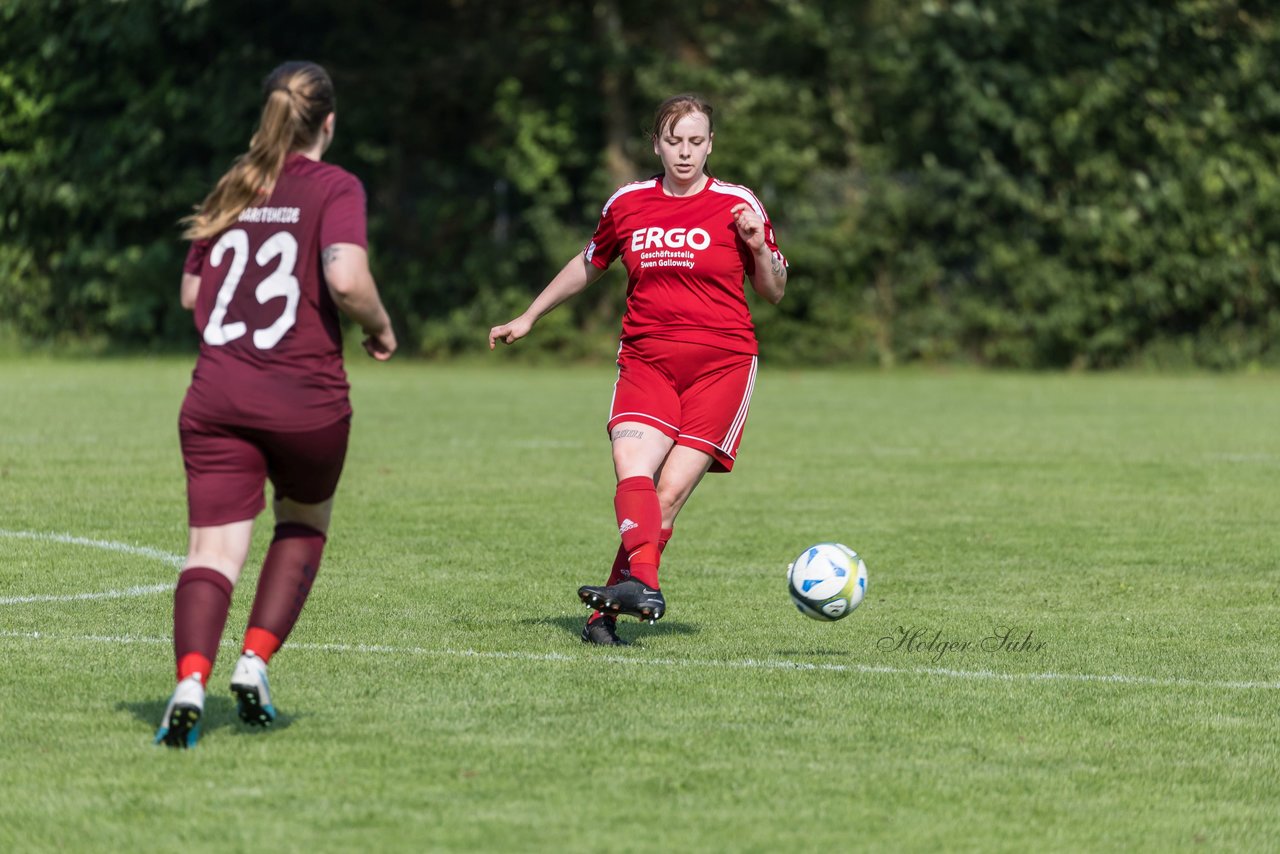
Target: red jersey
x,y
685,262
271,348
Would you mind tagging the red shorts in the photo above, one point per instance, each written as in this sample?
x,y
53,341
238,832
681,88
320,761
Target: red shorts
x,y
228,466
694,393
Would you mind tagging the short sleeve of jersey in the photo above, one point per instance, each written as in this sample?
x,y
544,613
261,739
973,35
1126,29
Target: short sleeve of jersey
x,y
344,218
195,256
604,246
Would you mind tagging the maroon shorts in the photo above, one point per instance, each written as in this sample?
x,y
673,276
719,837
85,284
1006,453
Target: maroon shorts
x,y
694,393
228,466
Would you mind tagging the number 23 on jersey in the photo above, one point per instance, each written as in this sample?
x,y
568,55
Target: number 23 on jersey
x,y
280,283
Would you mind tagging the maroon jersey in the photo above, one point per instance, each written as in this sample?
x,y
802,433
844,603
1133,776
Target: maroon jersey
x,y
685,262
271,347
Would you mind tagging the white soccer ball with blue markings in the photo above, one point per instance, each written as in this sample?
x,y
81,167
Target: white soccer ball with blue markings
x,y
827,581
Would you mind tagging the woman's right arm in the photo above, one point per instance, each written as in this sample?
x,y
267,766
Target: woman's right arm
x,y
191,273
346,271
572,279
190,289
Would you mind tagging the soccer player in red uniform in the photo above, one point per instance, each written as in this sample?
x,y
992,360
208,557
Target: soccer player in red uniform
x,y
279,249
687,361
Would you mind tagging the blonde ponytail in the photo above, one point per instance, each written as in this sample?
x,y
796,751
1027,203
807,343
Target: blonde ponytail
x,y
298,97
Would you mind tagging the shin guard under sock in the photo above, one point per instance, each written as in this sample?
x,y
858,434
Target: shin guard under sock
x,y
619,569
288,571
639,523
201,602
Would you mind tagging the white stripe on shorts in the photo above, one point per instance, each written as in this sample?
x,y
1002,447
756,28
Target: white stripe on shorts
x,y
623,416
740,421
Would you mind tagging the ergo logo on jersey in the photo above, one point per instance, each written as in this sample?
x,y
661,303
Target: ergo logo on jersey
x,y
676,238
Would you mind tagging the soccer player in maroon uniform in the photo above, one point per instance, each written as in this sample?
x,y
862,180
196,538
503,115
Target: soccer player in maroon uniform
x,y
279,249
687,361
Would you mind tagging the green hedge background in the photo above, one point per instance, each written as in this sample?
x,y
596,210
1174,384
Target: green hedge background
x,y
1018,183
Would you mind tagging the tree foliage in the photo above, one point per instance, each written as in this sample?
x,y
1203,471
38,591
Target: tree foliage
x,y
1012,182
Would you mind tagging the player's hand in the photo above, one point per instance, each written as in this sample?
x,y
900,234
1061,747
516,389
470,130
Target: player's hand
x,y
750,226
380,345
509,333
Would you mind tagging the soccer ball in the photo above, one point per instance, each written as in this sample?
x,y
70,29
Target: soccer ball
x,y
827,581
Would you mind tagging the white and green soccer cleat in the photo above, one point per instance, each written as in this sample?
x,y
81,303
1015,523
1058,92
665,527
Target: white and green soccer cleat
x,y
180,726
253,695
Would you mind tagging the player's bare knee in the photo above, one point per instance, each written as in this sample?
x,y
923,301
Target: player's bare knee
x,y
225,564
312,515
671,500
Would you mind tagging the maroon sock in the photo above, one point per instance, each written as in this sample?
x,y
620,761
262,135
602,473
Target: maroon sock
x,y
201,602
288,571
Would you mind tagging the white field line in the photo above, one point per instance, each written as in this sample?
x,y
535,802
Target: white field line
x,y
124,593
710,663
741,664
106,545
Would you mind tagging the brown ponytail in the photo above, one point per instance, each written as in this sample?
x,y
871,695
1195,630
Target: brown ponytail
x,y
297,97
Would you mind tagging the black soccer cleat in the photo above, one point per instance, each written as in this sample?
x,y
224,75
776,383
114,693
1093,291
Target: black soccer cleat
x,y
628,597
602,631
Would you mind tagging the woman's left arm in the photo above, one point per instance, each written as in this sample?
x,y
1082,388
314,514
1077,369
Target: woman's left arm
x,y
769,279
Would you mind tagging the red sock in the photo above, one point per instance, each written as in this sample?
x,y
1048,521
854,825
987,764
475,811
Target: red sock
x,y
197,664
261,643
201,602
288,571
639,523
618,571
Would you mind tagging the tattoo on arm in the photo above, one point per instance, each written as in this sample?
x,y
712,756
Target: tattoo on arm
x,y
329,255
776,267
628,434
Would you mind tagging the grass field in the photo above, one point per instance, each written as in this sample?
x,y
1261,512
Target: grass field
x,y
435,694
